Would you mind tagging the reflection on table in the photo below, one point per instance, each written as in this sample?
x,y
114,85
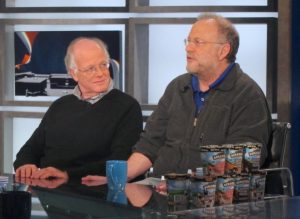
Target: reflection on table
x,y
284,207
59,199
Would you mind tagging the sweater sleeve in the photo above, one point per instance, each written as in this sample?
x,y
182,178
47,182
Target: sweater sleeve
x,y
153,137
251,122
126,135
32,151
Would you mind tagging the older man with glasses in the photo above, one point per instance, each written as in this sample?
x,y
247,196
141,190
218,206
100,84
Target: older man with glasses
x,y
214,103
79,132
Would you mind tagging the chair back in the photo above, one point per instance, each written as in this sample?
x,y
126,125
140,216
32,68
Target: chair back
x,y
115,74
278,144
279,177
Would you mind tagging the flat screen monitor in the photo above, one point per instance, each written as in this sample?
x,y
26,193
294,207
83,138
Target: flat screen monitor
x,y
39,60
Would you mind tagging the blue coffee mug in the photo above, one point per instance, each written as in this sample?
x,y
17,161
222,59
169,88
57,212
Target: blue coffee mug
x,y
116,173
117,196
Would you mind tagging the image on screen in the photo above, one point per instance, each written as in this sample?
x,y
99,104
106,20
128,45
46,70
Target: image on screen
x,y
39,60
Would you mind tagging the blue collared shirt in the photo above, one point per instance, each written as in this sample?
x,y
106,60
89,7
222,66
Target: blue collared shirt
x,y
199,96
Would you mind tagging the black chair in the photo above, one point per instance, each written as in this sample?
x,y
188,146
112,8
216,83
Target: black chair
x,y
279,179
115,74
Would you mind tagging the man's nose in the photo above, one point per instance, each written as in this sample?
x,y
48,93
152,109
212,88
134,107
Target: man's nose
x,y
189,47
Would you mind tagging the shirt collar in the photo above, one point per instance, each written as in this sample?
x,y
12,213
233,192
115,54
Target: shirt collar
x,y
195,82
96,98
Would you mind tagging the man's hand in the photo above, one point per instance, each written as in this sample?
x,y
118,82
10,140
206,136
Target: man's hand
x,y
26,170
93,180
49,172
161,188
45,183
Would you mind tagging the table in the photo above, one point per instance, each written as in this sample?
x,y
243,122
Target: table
x,y
57,199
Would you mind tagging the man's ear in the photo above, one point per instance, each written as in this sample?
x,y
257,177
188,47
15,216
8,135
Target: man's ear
x,y
73,74
224,51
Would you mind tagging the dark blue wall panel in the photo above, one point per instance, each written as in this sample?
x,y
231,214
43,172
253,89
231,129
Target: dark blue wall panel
x,y
295,149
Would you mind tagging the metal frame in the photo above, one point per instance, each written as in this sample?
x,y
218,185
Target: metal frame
x,y
143,6
5,9
7,79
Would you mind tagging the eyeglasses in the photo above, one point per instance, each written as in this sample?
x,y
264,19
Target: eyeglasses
x,y
198,42
93,69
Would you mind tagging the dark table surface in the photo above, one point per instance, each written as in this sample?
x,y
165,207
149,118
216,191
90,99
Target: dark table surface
x,y
57,199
